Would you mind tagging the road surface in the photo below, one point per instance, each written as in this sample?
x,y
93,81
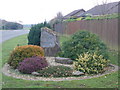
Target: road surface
x,y
8,34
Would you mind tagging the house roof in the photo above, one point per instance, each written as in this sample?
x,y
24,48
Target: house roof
x,y
74,12
104,9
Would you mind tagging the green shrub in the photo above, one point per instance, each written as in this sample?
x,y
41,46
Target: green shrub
x,y
88,18
90,63
56,71
22,52
80,18
70,20
35,33
81,42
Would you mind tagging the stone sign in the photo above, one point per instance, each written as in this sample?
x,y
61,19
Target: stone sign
x,y
49,41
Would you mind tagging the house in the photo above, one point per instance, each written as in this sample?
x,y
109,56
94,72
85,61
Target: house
x,y
103,9
9,25
75,13
2,23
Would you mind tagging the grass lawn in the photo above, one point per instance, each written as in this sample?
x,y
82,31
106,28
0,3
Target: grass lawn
x,y
108,81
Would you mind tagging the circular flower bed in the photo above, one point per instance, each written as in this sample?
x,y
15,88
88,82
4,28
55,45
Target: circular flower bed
x,y
7,70
30,60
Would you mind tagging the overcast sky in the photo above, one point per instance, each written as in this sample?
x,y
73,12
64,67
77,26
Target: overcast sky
x,y
36,11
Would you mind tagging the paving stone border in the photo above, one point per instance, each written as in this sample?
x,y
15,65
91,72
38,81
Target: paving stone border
x,y
6,70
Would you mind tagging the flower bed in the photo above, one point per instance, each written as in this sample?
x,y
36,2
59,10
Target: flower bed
x,y
30,60
7,70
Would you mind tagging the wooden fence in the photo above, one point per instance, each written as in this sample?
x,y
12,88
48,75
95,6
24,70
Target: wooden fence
x,y
107,29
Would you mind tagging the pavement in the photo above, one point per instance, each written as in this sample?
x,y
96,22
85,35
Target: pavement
x,y
8,34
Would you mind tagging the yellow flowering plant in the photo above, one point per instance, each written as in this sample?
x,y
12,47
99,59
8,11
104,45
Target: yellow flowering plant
x,y
90,63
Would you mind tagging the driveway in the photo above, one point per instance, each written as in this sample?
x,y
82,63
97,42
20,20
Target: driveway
x,y
8,34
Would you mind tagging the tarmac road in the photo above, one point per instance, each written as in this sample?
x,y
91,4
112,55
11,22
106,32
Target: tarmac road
x,y
8,34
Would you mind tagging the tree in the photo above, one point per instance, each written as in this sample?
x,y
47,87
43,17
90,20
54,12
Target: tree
x,y
57,19
104,7
35,33
59,16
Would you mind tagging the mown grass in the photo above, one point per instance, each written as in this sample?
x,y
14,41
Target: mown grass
x,y
108,81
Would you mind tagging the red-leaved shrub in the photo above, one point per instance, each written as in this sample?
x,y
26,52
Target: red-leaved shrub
x,y
32,64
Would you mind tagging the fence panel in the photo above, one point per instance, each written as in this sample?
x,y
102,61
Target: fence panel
x,y
107,29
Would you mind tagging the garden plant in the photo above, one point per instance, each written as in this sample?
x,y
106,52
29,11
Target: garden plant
x,y
82,42
32,64
91,63
21,52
